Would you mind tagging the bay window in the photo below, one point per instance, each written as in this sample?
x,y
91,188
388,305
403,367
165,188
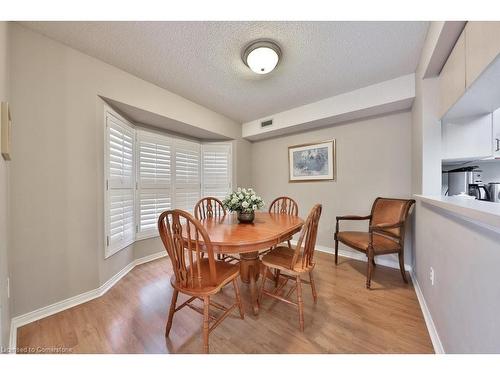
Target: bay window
x,y
147,173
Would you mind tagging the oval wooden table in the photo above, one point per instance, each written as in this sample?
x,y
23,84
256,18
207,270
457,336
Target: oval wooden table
x,y
228,236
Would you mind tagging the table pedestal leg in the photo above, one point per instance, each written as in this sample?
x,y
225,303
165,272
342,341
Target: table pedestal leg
x,y
249,273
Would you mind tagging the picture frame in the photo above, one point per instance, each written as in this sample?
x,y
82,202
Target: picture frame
x,y
5,130
312,161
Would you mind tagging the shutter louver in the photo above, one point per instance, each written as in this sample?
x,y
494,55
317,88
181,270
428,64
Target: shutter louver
x,y
187,175
216,170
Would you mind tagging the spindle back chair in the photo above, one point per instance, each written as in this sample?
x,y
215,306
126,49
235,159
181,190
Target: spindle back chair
x,y
292,263
195,274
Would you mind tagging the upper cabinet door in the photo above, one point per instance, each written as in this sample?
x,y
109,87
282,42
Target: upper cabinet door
x,y
482,47
452,77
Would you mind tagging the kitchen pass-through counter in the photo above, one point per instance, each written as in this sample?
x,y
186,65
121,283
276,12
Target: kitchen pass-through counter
x,y
483,213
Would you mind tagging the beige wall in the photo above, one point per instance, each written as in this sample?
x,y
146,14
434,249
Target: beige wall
x,y
4,302
373,159
464,300
242,172
57,170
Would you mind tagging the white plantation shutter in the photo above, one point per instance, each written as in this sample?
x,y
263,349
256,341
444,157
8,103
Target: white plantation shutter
x,y
120,180
154,180
187,175
121,217
151,204
155,152
120,152
217,172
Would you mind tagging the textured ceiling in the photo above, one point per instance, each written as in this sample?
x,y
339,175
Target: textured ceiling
x,y
201,60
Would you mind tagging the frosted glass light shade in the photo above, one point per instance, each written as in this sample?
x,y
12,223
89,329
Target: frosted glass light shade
x,y
262,60
262,56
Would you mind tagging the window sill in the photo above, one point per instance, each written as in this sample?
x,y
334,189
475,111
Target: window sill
x,y
141,237
486,214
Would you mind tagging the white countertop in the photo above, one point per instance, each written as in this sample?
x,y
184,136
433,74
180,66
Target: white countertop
x,y
485,213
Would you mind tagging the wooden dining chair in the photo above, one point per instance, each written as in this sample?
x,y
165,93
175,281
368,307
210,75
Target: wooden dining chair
x,y
194,275
287,206
293,263
211,207
386,233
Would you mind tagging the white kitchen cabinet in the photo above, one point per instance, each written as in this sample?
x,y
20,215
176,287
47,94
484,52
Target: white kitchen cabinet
x,y
496,133
482,46
467,138
452,76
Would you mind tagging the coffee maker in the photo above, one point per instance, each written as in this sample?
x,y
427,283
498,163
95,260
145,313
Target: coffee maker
x,y
467,180
494,190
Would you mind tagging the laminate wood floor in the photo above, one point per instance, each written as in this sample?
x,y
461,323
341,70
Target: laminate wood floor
x,y
131,317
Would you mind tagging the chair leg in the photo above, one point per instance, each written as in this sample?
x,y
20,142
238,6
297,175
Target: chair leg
x,y
171,312
402,266
373,262
336,251
277,274
238,297
300,302
206,306
370,269
262,283
289,244
313,286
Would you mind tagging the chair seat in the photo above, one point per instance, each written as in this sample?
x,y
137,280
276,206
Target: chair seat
x,y
360,241
281,258
226,272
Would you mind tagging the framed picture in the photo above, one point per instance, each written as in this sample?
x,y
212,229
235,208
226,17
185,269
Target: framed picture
x,y
312,162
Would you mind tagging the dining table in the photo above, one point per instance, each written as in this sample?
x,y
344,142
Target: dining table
x,y
229,236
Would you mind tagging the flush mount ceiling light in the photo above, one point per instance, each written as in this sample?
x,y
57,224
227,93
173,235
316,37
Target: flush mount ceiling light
x,y
261,56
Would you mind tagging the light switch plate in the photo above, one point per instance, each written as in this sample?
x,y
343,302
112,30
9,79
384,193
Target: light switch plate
x,y
5,130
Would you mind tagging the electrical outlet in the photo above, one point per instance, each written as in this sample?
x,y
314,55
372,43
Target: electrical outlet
x,y
8,287
431,276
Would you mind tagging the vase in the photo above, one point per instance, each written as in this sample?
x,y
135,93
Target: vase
x,y
246,217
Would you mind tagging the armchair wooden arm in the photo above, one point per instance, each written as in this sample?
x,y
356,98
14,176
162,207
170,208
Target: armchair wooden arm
x,y
382,228
353,217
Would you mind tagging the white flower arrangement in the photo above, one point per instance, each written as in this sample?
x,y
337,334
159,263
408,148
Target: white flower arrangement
x,y
243,200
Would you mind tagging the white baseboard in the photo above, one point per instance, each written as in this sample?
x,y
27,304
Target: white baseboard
x,y
436,342
54,308
358,256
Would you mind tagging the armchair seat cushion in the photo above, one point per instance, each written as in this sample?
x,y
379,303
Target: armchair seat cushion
x,y
360,241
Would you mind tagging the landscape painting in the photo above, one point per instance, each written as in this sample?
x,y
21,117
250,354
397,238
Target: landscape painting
x,y
312,162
